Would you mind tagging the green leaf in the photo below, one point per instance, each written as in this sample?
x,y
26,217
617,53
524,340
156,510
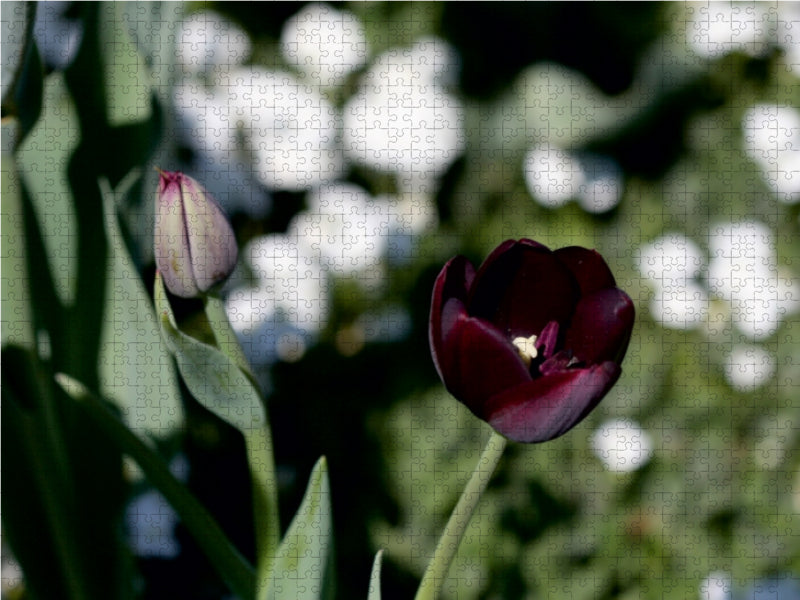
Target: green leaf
x,y
127,78
301,566
375,578
17,324
231,565
22,68
213,379
43,158
216,382
16,24
135,368
39,509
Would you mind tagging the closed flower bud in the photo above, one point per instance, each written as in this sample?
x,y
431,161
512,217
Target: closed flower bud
x,y
195,246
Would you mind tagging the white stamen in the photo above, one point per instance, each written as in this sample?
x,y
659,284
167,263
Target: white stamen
x,y
526,347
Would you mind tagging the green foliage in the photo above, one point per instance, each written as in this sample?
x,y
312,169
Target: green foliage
x,y
302,566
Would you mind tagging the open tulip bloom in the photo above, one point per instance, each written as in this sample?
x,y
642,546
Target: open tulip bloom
x,y
533,340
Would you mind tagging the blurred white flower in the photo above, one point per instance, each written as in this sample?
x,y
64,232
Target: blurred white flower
x,y
719,28
772,139
601,189
290,303
788,34
680,307
671,264
717,586
288,270
57,38
324,43
151,520
207,40
349,231
743,270
262,124
291,130
402,120
622,445
205,124
552,175
671,260
749,367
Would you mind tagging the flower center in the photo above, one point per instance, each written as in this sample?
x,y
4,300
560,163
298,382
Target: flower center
x,y
526,346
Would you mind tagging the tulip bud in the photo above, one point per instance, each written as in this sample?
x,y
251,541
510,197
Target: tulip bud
x,y
195,246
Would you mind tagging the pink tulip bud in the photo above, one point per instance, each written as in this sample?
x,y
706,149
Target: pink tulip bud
x,y
194,241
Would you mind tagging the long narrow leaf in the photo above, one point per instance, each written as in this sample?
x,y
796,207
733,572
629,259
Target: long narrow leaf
x,y
39,516
17,325
219,385
135,367
232,566
301,567
375,578
23,96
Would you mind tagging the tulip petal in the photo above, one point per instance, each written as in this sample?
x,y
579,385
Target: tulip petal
x,y
557,363
548,407
453,281
211,239
521,287
547,340
173,257
454,313
479,361
588,268
601,327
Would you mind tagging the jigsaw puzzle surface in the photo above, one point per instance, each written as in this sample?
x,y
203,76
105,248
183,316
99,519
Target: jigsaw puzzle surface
x,y
356,149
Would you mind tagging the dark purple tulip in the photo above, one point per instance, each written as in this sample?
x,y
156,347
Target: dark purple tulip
x,y
533,340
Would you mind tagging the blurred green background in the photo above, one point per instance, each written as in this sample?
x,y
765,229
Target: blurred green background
x,y
683,483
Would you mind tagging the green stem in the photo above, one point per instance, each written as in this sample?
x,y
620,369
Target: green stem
x,y
224,334
232,566
448,544
259,445
265,500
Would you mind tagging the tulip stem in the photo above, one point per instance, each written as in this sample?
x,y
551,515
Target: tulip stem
x,y
227,341
446,549
258,442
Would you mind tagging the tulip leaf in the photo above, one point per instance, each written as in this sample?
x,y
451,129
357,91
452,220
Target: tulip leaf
x,y
17,314
127,77
375,578
43,165
39,521
301,566
135,367
217,383
23,82
212,377
231,565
